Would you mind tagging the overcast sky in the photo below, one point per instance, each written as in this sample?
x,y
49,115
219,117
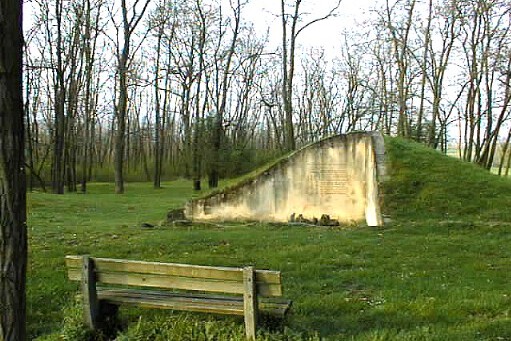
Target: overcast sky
x,y
325,34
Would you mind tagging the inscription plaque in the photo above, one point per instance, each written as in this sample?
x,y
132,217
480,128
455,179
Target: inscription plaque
x,y
328,179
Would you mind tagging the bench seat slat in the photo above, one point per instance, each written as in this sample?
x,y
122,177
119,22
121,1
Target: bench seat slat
x,y
175,282
167,282
173,269
220,304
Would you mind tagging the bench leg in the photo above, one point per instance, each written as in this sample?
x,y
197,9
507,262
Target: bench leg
x,y
90,296
107,319
250,302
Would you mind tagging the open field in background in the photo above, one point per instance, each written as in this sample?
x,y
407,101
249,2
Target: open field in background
x,y
439,270
455,153
495,170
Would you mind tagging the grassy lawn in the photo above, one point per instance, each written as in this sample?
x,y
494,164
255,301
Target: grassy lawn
x,y
439,270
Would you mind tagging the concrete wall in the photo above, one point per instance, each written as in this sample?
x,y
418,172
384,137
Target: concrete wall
x,y
336,176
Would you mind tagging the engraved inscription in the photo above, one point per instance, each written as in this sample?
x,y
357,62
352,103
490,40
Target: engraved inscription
x,y
328,179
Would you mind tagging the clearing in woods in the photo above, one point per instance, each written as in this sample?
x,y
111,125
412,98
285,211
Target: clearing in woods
x,y
439,270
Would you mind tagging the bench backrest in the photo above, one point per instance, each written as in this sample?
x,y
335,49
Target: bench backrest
x,y
175,276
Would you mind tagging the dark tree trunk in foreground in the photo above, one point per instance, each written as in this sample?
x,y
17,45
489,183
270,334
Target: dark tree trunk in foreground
x,y
13,239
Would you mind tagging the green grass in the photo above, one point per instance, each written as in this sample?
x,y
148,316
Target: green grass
x,y
439,270
427,184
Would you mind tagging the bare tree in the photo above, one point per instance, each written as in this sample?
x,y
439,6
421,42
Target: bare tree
x,y
160,20
319,101
439,63
288,59
200,109
62,57
59,101
183,65
503,166
223,75
424,71
385,84
33,92
400,41
131,17
485,34
13,230
90,43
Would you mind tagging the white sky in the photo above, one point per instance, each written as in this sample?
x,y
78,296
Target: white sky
x,y
326,33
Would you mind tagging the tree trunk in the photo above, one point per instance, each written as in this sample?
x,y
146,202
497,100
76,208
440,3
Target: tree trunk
x,y
199,111
157,112
13,233
29,142
89,48
288,62
505,149
129,25
218,130
58,167
121,112
287,86
424,70
400,42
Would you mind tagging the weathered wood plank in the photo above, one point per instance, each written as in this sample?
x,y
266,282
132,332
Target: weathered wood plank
x,y
162,300
268,277
90,298
164,296
174,269
167,282
167,293
273,306
182,270
269,290
177,301
183,301
250,302
173,282
204,307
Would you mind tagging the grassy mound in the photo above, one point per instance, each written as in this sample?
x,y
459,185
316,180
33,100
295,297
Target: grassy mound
x,y
422,184
425,184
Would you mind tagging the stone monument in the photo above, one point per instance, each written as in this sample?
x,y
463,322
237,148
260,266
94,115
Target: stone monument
x,y
336,177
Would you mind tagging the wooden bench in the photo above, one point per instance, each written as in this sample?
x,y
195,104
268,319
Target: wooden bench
x,y
221,290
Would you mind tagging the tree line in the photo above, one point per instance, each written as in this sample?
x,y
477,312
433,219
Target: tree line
x,y
160,89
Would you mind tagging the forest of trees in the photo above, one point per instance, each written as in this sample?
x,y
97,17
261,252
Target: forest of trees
x,y
159,89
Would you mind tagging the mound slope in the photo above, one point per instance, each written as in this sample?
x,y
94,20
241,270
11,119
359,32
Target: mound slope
x,y
424,183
